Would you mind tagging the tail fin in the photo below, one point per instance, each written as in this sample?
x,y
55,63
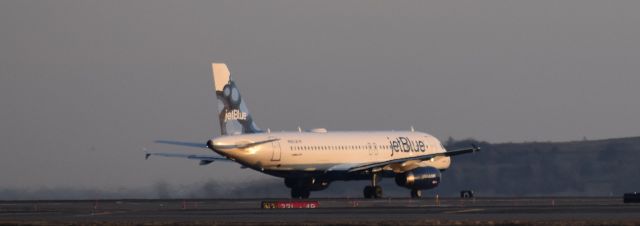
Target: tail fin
x,y
232,112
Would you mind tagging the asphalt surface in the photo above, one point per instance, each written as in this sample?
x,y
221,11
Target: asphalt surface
x,y
430,211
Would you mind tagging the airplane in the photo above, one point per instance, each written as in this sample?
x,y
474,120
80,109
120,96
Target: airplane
x,y
311,160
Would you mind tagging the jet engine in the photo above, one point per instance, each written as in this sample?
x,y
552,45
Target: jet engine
x,y
419,178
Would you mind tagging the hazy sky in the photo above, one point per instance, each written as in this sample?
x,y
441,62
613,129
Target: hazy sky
x,y
84,85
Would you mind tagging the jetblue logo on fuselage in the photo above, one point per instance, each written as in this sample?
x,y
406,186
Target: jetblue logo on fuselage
x,y
404,144
234,114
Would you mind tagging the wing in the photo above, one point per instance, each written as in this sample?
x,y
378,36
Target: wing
x,y
204,159
370,166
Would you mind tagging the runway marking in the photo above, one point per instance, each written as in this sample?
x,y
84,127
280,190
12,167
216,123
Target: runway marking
x,y
465,211
102,213
95,214
431,205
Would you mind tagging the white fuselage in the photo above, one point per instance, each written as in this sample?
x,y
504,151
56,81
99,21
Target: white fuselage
x,y
320,151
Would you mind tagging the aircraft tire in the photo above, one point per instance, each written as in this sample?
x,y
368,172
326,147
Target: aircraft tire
x,y
377,192
305,193
300,193
368,192
416,194
295,193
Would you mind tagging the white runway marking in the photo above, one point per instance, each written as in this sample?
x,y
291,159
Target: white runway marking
x,y
465,211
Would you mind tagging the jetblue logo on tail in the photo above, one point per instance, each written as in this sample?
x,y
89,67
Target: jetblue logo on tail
x,y
234,114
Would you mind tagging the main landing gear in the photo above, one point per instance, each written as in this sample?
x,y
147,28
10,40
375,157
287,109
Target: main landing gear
x,y
299,187
300,193
373,190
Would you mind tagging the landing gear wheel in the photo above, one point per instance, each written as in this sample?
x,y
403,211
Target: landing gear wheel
x,y
295,193
372,192
368,192
377,192
300,193
305,194
416,194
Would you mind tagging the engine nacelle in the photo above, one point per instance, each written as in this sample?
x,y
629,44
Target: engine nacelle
x,y
311,184
419,178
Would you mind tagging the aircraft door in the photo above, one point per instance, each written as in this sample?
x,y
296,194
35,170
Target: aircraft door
x,y
276,151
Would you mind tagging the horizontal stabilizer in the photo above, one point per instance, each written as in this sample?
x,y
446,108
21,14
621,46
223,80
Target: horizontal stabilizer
x,y
182,143
243,145
204,159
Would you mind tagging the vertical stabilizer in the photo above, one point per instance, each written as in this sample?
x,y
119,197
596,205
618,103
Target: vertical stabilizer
x,y
232,111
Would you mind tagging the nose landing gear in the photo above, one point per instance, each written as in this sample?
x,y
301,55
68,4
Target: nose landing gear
x,y
416,194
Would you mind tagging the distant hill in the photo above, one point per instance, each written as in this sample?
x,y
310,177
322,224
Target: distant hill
x,y
589,168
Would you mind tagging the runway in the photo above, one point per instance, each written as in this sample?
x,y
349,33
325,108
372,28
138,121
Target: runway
x,y
430,211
